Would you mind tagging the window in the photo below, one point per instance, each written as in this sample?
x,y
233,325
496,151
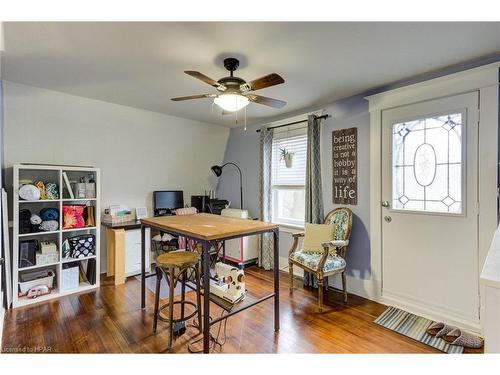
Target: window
x,y
288,177
427,164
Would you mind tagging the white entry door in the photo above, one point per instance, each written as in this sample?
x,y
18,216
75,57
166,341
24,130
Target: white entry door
x,y
430,208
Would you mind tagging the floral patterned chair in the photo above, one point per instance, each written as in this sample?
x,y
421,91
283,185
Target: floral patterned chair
x,y
331,260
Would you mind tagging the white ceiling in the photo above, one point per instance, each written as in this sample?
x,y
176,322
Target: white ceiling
x,y
142,64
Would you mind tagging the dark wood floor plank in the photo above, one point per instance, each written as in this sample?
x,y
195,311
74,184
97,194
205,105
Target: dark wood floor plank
x,y
110,320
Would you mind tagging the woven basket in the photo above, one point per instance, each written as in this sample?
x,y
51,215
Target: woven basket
x,y
110,219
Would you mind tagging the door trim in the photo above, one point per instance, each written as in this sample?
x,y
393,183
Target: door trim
x,y
483,79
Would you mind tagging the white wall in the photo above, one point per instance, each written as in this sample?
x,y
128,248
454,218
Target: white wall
x,y
138,151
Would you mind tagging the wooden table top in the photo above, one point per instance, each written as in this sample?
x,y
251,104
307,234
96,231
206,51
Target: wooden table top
x,y
207,226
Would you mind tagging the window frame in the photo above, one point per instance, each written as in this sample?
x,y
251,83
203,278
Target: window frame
x,y
465,128
276,188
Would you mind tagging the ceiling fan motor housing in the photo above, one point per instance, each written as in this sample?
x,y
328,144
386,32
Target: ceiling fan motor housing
x,y
231,64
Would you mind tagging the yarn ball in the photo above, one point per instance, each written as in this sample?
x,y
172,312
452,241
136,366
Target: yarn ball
x,y
41,186
29,192
49,214
35,219
51,191
24,214
49,225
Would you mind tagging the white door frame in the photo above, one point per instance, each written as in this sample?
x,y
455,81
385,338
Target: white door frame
x,y
483,79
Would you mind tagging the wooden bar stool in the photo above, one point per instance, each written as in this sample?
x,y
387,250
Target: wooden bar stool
x,y
174,267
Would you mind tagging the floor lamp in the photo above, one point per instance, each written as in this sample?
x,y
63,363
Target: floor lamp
x,y
217,169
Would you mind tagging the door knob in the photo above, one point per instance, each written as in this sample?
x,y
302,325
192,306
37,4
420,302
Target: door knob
x,y
388,219
385,204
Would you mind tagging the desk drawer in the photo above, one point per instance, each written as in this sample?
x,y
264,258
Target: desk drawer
x,y
133,251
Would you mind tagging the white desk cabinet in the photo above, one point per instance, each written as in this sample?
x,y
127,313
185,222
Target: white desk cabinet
x,y
133,251
124,250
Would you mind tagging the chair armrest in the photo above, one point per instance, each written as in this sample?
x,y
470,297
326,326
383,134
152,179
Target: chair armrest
x,y
295,242
336,243
298,234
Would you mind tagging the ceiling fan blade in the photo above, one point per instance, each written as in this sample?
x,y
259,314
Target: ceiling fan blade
x,y
272,79
275,103
204,78
178,99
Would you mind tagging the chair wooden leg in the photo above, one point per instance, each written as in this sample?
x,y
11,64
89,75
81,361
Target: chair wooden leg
x,y
320,293
171,309
344,286
290,273
157,298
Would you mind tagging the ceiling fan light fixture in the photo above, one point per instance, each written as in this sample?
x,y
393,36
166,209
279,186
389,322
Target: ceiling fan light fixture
x,y
231,102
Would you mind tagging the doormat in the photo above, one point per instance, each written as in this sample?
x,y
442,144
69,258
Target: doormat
x,y
414,326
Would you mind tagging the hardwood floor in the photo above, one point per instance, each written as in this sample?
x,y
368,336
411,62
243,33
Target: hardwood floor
x,y
110,320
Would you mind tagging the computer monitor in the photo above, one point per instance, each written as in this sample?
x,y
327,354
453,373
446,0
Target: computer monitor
x,y
167,200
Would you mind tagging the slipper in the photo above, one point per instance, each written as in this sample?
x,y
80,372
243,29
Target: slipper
x,y
434,328
439,329
446,329
462,338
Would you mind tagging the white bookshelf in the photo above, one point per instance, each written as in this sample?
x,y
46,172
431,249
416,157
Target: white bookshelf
x,y
52,173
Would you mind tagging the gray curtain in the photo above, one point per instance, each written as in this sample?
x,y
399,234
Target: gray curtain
x,y
266,243
314,193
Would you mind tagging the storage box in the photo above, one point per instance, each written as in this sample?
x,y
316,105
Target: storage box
x,y
70,277
112,219
49,258
48,247
90,190
30,279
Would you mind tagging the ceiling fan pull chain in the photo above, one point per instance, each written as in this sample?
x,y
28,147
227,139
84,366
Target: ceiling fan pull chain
x,y
245,118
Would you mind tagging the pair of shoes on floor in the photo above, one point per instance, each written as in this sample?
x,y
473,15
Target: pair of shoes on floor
x,y
455,336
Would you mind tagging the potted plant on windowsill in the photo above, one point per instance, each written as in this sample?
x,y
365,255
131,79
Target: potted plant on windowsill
x,y
287,156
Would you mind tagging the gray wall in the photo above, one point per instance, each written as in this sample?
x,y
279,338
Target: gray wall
x,y
243,149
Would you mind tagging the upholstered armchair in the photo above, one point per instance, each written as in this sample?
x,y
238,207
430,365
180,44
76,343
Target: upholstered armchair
x,y
331,260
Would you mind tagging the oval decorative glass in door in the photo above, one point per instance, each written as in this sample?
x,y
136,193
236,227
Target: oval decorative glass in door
x,y
427,164
424,164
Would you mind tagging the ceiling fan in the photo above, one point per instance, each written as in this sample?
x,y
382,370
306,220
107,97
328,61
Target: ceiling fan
x,y
235,93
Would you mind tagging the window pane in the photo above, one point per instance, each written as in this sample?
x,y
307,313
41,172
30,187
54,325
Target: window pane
x,y
294,173
289,206
427,164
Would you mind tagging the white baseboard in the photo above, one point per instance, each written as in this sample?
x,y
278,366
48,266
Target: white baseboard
x,y
369,289
432,313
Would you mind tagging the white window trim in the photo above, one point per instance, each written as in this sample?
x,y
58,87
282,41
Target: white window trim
x,y
274,188
287,227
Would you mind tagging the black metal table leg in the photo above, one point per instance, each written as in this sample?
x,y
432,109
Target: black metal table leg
x,y
143,267
276,241
206,297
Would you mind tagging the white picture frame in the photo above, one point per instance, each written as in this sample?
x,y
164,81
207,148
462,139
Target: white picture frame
x,y
141,213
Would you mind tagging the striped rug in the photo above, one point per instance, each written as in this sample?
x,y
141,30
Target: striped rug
x,y
414,326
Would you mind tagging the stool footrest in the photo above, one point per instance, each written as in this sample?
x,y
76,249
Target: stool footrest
x,y
165,306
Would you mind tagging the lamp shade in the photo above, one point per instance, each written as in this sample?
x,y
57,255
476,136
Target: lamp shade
x,y
217,169
231,102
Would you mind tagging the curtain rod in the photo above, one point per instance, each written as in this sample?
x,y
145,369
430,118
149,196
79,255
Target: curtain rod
x,y
293,123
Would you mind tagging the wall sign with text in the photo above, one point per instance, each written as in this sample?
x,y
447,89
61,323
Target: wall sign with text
x,y
345,166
